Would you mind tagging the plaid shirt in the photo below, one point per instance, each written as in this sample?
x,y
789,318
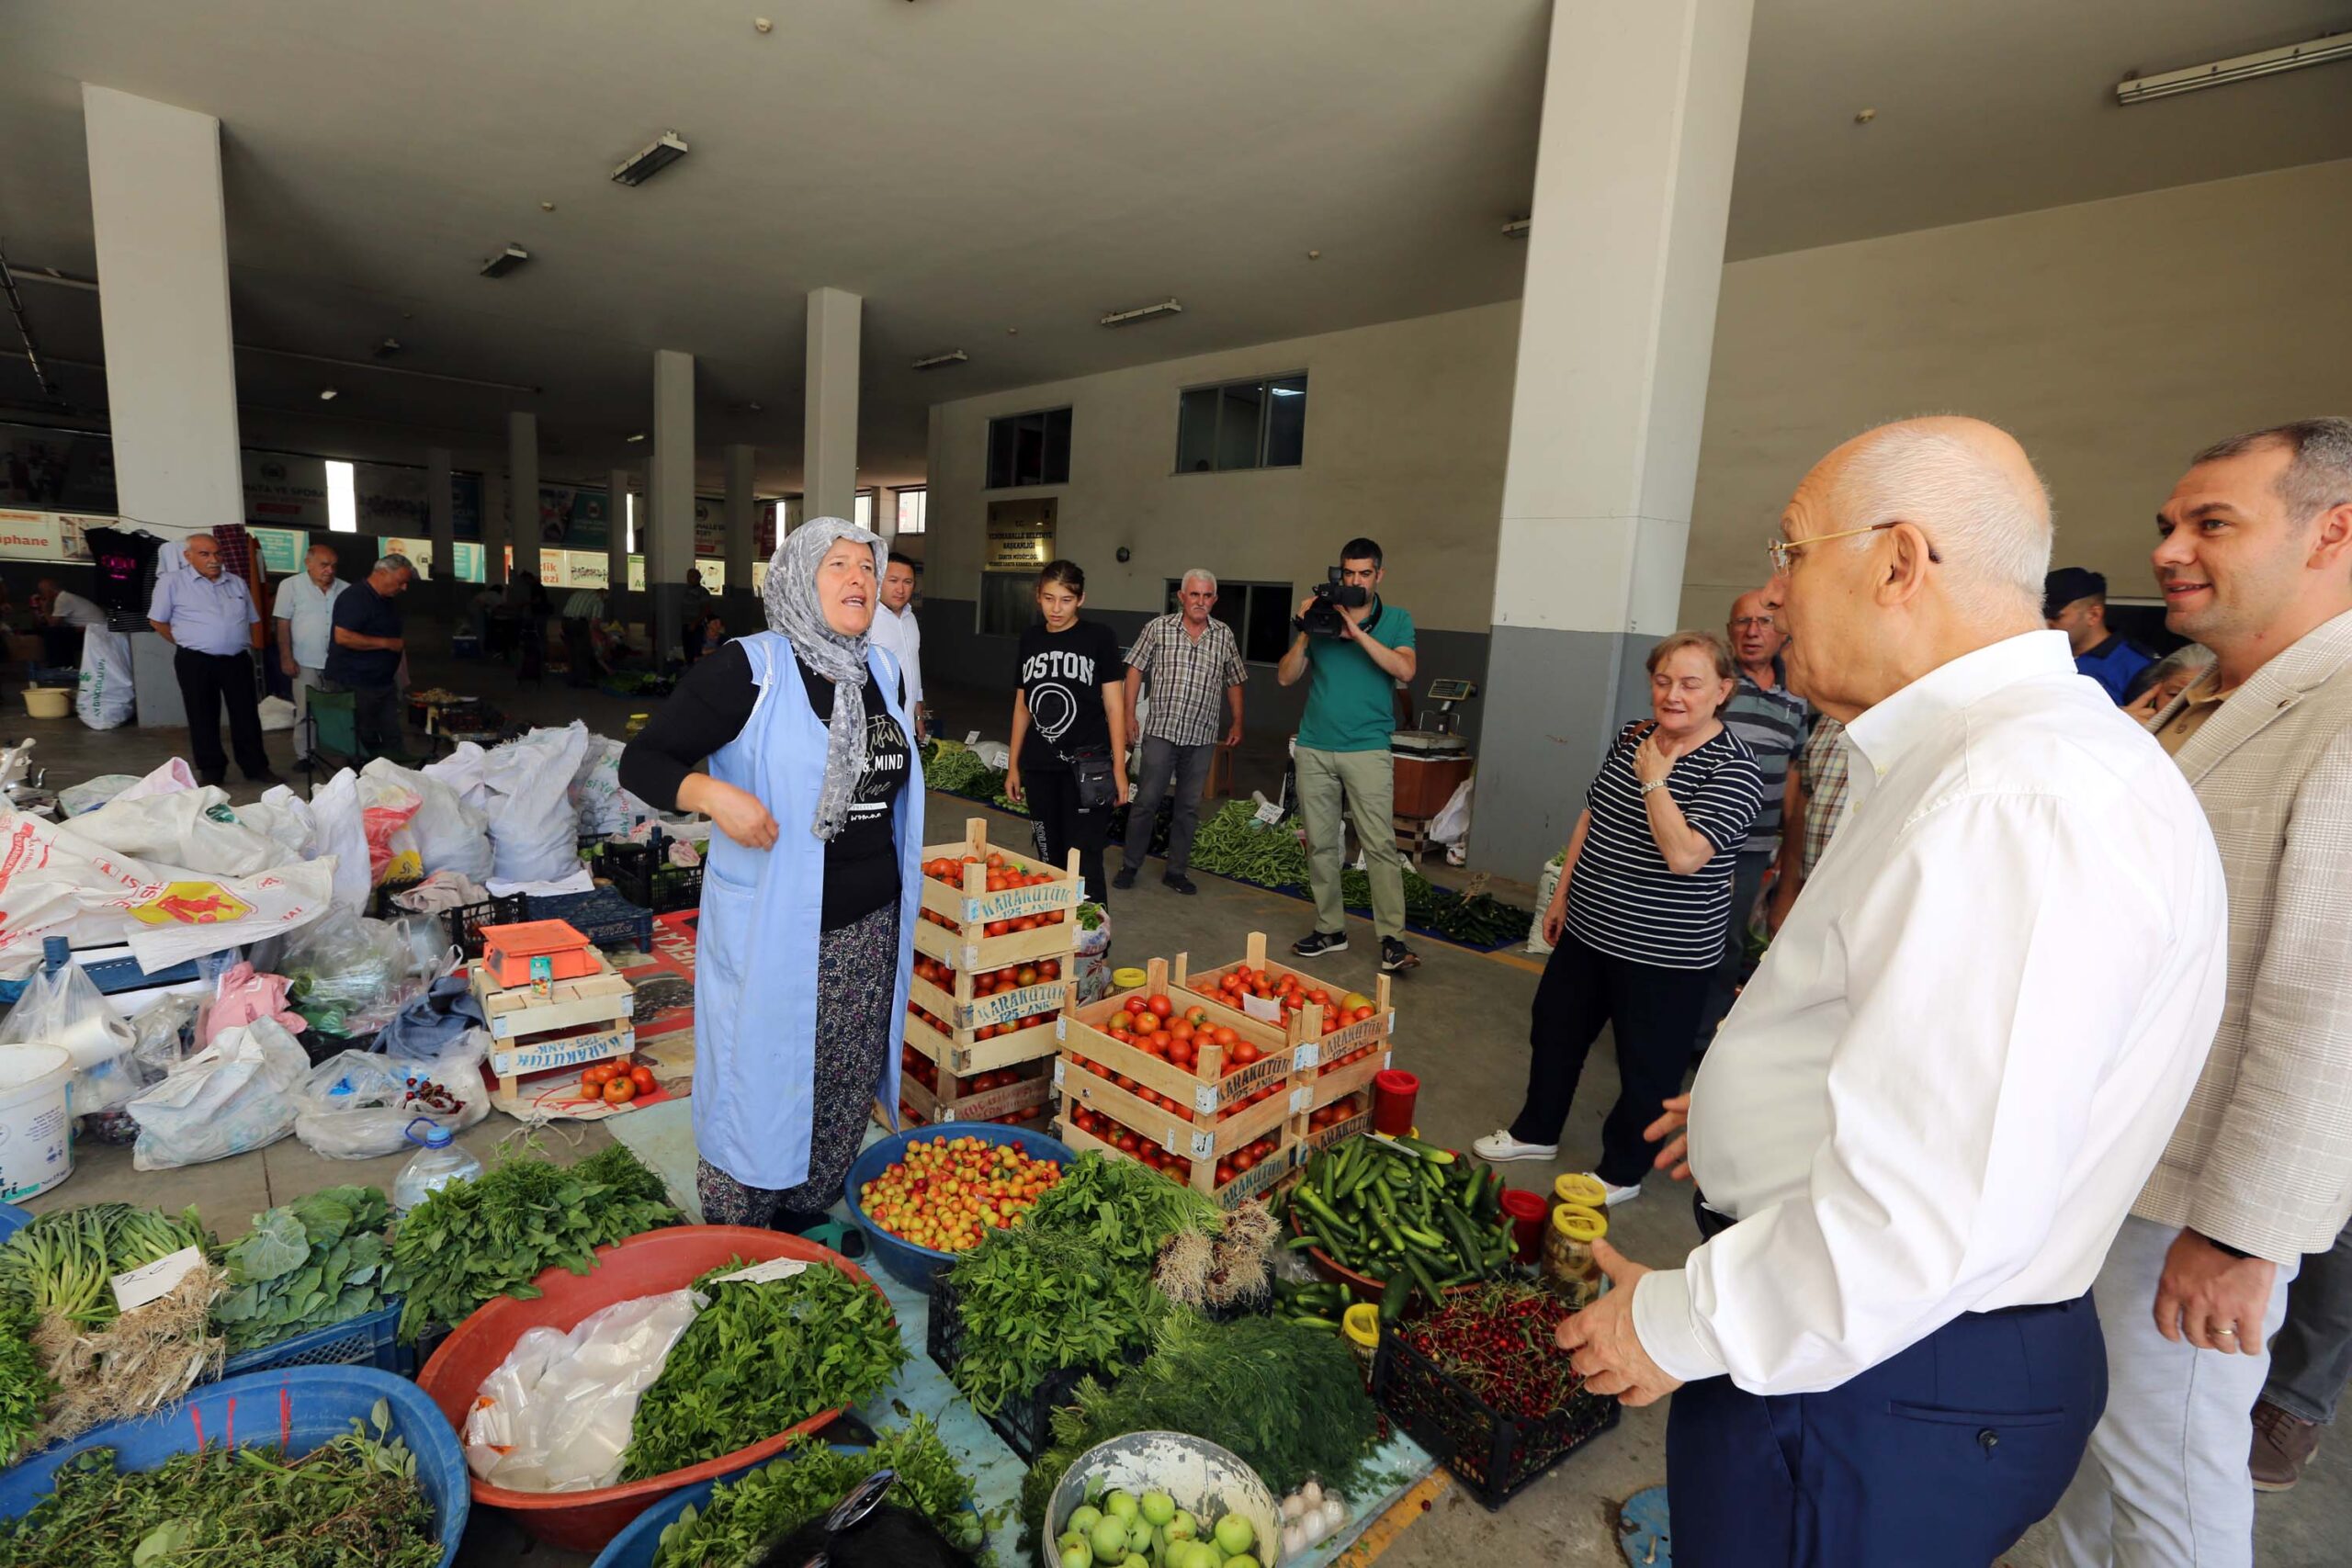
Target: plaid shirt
x,y
1821,768
1186,678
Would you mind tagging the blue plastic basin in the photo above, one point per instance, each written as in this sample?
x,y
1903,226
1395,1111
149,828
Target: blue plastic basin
x,y
903,1261
322,1401
12,1220
635,1546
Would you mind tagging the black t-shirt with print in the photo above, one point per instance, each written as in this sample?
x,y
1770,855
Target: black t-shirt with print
x,y
1062,675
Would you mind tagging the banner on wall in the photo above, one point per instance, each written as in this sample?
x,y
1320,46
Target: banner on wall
x,y
281,548
47,536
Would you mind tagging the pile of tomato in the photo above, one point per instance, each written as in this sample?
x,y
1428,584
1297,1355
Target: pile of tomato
x,y
1358,1054
947,1193
1167,1161
616,1083
1012,978
1002,876
1152,1024
1338,1111
1294,995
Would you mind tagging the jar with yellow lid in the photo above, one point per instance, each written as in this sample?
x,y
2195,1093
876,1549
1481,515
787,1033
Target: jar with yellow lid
x,y
1361,1326
1569,1271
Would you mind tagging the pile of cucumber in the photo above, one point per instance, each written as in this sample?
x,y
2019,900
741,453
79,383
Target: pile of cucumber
x,y
1404,1213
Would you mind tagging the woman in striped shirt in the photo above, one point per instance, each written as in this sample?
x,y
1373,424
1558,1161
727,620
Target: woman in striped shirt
x,y
1639,920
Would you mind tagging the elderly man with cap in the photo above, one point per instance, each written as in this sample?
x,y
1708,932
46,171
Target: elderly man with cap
x,y
2074,601
1920,1130
208,615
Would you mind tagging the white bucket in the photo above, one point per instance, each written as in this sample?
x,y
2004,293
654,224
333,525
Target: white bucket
x,y
36,1142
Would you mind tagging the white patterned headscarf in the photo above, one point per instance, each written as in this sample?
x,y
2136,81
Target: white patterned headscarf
x,y
790,597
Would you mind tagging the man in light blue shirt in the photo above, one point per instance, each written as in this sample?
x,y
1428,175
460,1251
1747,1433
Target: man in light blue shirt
x,y
208,615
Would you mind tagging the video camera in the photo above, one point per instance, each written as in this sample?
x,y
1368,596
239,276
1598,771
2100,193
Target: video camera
x,y
1322,617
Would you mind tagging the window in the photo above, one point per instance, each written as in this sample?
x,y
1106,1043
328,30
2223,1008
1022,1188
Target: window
x,y
1259,613
342,499
1008,602
1029,449
1259,423
914,511
863,513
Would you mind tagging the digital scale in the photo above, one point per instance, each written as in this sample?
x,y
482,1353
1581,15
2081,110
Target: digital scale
x,y
1436,736
1430,764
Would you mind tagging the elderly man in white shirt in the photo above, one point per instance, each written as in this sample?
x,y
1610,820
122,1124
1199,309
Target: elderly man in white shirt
x,y
896,628
304,611
1922,1125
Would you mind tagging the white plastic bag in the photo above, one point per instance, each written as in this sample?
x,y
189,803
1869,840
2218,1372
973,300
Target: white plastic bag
x,y
53,882
156,1050
64,1006
1451,825
359,1105
91,794
343,838
1545,886
461,770
556,1415
237,1094
450,835
104,699
531,825
277,713
347,970
601,805
195,829
166,778
388,815
285,817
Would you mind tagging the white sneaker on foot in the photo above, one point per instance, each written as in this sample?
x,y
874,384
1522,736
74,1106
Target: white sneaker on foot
x,y
1500,1145
1615,1194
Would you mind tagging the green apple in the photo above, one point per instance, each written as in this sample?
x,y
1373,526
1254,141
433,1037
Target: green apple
x,y
1122,1506
1184,1527
1244,1560
1159,1507
1075,1553
1234,1534
1083,1519
1109,1538
1202,1555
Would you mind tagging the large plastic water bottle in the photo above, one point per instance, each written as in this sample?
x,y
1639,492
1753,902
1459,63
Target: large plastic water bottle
x,y
438,1163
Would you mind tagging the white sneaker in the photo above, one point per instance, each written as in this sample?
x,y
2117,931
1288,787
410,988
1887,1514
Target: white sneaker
x,y
1500,1145
1615,1195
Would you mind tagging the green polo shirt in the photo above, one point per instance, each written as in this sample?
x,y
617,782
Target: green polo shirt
x,y
1351,701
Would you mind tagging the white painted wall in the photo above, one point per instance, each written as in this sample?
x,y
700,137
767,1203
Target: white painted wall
x,y
1406,428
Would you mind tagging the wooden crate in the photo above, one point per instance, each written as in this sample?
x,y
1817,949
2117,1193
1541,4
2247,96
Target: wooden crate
x,y
1312,1140
594,1000
1305,1029
966,1032
955,922
950,1100
1255,1182
1206,1091
1328,1081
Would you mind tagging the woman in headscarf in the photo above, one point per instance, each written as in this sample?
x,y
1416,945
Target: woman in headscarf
x,y
809,891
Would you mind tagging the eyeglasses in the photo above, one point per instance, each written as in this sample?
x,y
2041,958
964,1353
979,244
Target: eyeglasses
x,y
1783,552
851,1510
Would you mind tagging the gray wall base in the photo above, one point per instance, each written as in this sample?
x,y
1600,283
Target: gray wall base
x,y
1552,700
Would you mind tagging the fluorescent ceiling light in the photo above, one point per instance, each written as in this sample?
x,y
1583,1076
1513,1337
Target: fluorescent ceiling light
x,y
666,150
343,500
1288,391
1143,313
1516,229
638,436
326,394
953,357
2237,68
505,261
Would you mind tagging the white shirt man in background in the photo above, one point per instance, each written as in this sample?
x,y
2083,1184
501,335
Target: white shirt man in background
x,y
304,614
1925,1120
896,628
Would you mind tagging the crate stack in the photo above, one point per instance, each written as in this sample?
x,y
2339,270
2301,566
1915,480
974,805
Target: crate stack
x,y
1224,1130
992,972
552,1002
1336,1056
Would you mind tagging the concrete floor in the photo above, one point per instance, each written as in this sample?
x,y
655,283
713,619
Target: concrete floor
x,y
1462,1026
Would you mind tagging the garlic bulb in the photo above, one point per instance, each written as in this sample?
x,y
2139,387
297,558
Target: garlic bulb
x,y
1311,1494
1294,1540
1294,1505
1334,1513
1313,1527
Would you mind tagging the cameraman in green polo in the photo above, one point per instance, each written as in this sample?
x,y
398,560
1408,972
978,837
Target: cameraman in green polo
x,y
1354,650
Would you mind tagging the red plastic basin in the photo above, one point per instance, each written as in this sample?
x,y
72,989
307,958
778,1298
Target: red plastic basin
x,y
641,1265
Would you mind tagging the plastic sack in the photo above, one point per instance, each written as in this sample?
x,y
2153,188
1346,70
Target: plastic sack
x,y
1451,825
556,1415
238,1094
343,966
386,812
441,890
64,1006
531,823
451,834
195,829
1093,953
341,833
277,713
284,816
993,754
359,1105
165,778
600,804
91,794
53,882
1545,886
244,995
461,770
104,698
156,1049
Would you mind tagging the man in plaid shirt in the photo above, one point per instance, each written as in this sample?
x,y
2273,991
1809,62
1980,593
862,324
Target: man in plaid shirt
x,y
1194,668
1817,800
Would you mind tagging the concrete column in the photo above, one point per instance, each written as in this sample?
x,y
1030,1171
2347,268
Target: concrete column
x,y
523,489
829,445
1632,192
742,526
668,543
441,516
616,488
162,239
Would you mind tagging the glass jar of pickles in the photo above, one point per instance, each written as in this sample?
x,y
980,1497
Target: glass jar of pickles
x,y
1569,1270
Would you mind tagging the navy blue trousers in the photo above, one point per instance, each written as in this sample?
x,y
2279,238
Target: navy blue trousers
x,y
1940,1458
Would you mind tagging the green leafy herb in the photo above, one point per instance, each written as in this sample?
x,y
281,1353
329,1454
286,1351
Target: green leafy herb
x,y
760,1357
1034,1301
26,1387
64,1261
351,1503
306,1265
744,1516
472,1240
1125,1208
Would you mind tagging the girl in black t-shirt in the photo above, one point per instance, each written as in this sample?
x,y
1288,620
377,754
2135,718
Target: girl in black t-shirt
x,y
1070,726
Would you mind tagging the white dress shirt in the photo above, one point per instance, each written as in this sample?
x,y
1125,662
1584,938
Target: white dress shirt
x,y
1969,1043
310,610
899,631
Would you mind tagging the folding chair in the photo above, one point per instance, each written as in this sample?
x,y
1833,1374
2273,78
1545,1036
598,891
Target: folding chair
x,y
336,735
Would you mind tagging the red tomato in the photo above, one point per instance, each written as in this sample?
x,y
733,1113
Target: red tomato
x,y
643,1079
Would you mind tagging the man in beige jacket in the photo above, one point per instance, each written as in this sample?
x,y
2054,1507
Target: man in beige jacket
x,y
2256,562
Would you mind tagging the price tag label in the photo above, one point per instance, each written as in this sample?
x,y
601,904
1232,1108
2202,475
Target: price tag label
x,y
152,1281
973,739
1269,814
763,1273
1265,1010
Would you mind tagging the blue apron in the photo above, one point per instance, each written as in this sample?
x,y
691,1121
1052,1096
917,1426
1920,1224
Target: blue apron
x,y
755,964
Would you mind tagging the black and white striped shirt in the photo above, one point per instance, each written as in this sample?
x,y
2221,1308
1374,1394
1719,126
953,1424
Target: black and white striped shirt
x,y
1621,898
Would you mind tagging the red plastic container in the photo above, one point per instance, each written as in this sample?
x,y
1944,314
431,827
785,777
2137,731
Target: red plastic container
x,y
1393,1094
1526,1212
641,1265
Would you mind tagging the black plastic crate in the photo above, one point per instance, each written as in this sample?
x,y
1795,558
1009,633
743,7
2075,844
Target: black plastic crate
x,y
1494,1455
380,904
465,922
1025,1425
642,875
603,917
